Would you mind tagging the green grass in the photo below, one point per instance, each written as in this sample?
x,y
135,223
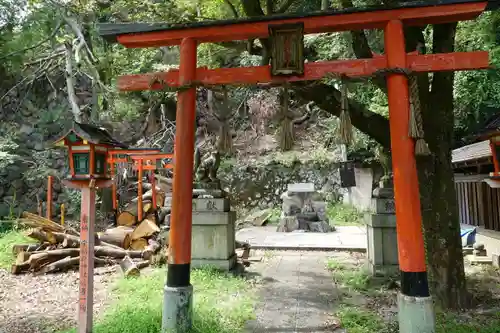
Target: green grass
x,y
340,214
275,216
222,303
8,239
358,320
366,319
353,278
474,323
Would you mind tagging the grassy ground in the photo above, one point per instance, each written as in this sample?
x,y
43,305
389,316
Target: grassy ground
x,y
340,214
222,304
368,304
8,239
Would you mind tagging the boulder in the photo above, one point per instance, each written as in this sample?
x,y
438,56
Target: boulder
x,y
288,224
320,226
292,204
320,208
259,218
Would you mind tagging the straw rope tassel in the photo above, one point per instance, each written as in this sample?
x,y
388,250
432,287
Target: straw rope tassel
x,y
345,118
286,133
416,127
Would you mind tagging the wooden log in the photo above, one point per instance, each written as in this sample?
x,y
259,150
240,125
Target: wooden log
x,y
17,248
53,237
138,244
164,183
145,229
142,264
151,249
119,236
129,268
69,263
52,255
22,257
162,213
128,217
19,268
43,222
153,246
99,251
149,195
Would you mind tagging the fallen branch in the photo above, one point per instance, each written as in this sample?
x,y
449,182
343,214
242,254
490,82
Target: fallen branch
x,y
68,263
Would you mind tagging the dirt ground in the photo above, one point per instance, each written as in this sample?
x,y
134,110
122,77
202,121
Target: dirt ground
x,y
42,304
48,303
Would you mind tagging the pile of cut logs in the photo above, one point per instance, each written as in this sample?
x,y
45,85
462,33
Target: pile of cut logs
x,y
128,215
58,247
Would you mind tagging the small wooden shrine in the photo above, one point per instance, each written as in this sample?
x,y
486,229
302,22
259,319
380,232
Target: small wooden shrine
x,y
88,147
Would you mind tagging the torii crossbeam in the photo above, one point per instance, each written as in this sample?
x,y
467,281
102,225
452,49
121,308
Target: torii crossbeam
x,y
415,304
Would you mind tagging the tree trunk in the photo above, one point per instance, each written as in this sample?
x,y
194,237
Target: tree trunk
x,y
441,224
106,201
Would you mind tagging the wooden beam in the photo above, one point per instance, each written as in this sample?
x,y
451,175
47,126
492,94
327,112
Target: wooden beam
x,y
313,71
220,32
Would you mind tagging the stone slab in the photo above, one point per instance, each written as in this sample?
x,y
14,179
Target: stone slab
x,y
383,206
301,188
213,242
381,270
220,264
387,193
214,218
211,205
380,220
345,238
495,258
472,259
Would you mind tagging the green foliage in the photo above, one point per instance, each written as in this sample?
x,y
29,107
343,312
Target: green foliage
x,y
356,279
340,214
477,93
275,216
453,322
358,320
222,303
7,239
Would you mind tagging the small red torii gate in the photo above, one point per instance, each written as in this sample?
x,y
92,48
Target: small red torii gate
x,y
414,301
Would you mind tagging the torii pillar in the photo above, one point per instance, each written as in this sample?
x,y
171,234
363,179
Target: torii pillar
x,y
416,314
178,291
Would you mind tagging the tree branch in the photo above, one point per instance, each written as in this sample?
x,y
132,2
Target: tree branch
x,y
285,6
328,99
270,7
70,85
252,8
233,9
52,35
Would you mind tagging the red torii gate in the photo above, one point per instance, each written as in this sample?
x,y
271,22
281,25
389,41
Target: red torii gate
x,y
414,301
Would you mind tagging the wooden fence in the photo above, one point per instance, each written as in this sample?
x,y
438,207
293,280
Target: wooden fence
x,y
478,203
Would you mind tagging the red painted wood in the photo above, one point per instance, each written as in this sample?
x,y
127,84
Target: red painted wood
x,y
313,71
152,157
316,24
182,192
86,290
406,191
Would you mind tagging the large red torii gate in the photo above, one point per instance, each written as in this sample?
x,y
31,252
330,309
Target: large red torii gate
x,y
415,304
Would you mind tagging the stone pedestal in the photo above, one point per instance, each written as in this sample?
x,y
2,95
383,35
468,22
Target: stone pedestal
x,y
213,238
382,250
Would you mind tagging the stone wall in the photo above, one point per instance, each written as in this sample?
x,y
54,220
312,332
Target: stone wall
x,y
261,183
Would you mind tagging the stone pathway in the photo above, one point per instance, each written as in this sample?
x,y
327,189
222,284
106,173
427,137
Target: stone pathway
x,y
346,238
298,293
